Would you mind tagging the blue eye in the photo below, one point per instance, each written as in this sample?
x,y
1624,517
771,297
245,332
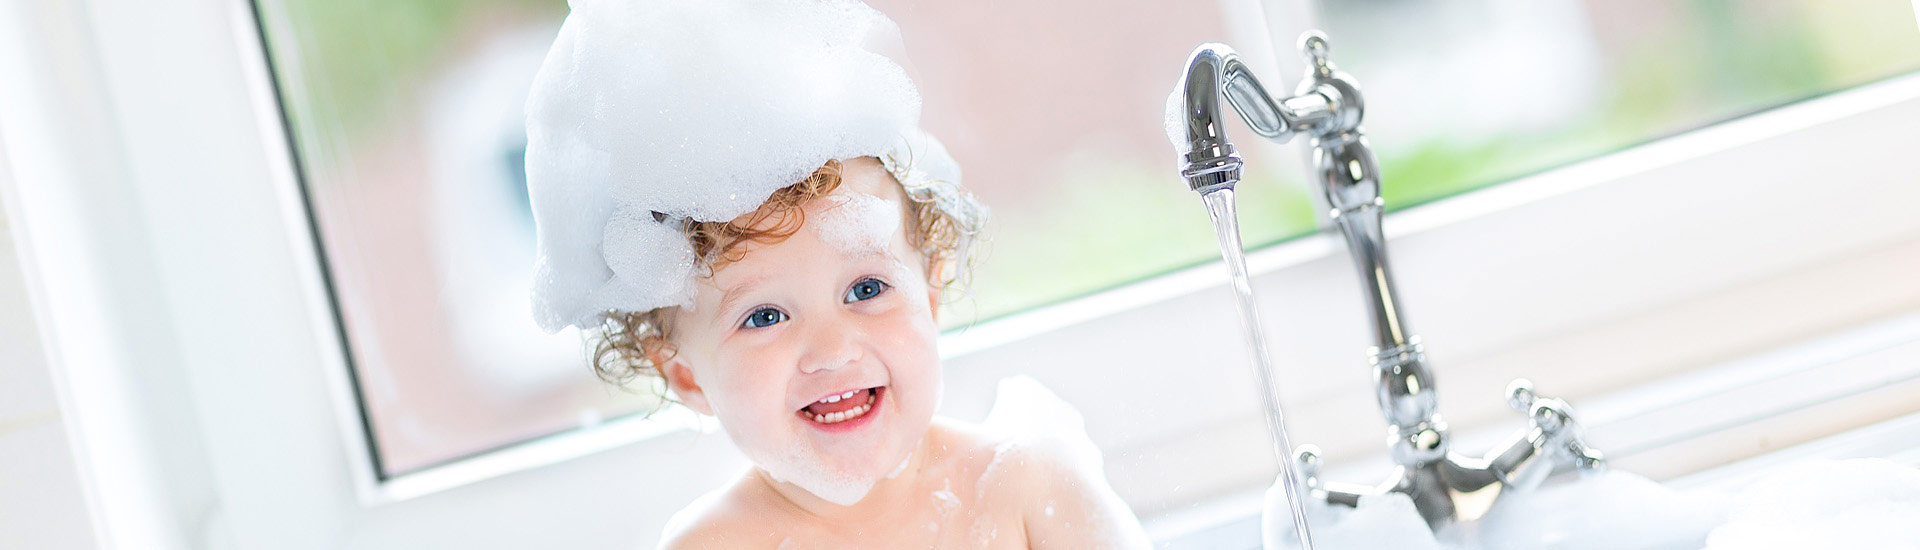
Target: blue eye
x,y
866,289
764,317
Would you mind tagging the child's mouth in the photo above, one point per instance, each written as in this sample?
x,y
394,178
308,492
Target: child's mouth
x,y
843,410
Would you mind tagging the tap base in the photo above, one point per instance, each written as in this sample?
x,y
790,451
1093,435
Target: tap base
x,y
1453,487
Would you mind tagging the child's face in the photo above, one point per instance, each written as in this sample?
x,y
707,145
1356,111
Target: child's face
x,y
844,305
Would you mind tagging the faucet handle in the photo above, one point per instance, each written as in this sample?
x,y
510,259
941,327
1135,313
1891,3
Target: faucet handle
x,y
1306,463
1520,395
1313,46
1561,435
1585,458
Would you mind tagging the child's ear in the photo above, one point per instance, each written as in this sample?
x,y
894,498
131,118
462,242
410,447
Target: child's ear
x,y
680,379
933,303
933,287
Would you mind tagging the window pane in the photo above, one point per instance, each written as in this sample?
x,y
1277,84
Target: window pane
x,y
1054,110
407,119
1463,94
1056,113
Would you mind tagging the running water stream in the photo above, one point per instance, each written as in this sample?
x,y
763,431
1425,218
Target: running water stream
x,y
1226,228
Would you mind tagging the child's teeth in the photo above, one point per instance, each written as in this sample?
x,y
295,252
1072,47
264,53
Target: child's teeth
x,y
832,399
842,416
848,395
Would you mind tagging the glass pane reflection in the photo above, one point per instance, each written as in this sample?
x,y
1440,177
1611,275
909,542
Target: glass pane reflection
x,y
407,117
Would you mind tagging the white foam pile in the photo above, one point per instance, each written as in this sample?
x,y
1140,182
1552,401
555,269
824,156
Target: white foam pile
x,y
1026,413
696,109
1175,121
1388,521
1861,503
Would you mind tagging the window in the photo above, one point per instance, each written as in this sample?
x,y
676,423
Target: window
x,y
1066,145
407,120
1497,89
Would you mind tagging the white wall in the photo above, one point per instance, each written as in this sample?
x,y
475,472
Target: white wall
x,y
41,502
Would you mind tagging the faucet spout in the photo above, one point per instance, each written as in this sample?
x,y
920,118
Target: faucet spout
x,y
1215,72
1445,486
1210,161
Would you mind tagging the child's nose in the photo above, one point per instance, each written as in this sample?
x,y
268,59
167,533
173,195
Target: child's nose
x,y
830,345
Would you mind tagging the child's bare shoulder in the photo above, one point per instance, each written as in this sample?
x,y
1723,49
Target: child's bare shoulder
x,y
1012,467
721,519
1040,456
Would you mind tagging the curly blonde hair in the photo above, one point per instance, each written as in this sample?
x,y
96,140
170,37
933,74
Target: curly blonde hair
x,y
632,345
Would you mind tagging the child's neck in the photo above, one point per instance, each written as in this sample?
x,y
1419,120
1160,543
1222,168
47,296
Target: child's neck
x,y
881,498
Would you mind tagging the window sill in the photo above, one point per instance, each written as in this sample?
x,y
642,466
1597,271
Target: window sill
x,y
1714,429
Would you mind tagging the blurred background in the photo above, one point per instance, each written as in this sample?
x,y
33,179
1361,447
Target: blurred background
x,y
404,139
408,119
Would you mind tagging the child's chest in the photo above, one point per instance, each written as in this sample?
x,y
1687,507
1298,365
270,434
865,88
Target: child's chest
x,y
941,516
962,529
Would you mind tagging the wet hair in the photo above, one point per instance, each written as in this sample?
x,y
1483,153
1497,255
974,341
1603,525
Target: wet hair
x,y
944,227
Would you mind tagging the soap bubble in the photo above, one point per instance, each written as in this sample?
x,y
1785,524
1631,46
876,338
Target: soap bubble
x,y
1860,503
696,109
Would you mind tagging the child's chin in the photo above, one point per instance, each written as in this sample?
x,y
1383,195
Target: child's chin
x,y
873,451
827,483
872,463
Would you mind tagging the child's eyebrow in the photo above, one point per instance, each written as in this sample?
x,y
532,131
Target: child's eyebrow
x,y
882,256
733,295
869,254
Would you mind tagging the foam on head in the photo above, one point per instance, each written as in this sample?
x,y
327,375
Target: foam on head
x,y
695,109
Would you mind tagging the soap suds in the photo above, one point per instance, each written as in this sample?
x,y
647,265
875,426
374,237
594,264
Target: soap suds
x,y
858,222
1043,433
1028,414
944,501
1175,121
1006,455
805,469
1860,503
695,109
983,531
902,467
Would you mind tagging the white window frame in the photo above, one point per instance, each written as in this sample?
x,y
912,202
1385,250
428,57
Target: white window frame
x,y
212,406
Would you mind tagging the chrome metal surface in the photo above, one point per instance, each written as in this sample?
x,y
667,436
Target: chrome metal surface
x,y
1327,108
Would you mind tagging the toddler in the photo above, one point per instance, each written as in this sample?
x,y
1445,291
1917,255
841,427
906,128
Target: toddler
x,y
735,196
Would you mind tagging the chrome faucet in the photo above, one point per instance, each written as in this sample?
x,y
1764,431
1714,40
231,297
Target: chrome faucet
x,y
1327,108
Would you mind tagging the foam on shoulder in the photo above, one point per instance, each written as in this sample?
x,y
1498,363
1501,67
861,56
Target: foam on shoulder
x,y
1030,417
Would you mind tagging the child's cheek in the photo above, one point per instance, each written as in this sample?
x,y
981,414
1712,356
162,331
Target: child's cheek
x,y
749,370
